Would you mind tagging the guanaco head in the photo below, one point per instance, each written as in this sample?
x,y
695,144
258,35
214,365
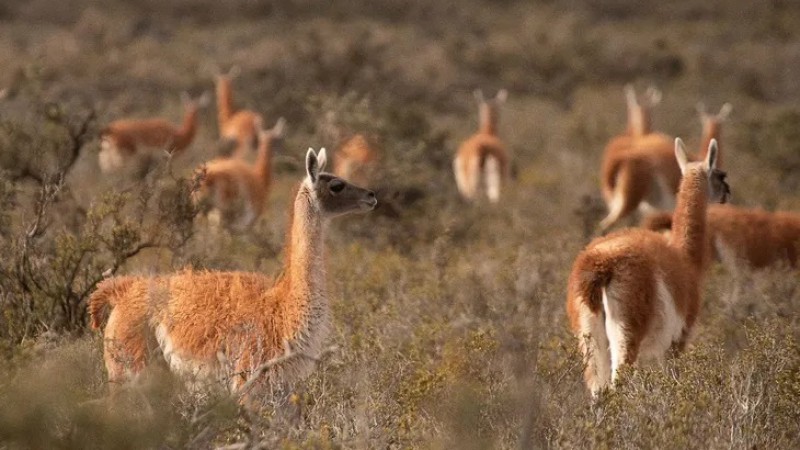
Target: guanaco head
x,y
721,116
639,111
711,122
272,137
489,110
191,105
334,195
226,77
718,190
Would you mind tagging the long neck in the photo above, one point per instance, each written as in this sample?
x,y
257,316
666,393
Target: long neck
x,y
188,128
304,270
487,119
224,100
711,130
689,217
264,161
638,121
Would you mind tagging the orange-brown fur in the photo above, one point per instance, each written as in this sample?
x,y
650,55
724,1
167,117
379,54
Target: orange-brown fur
x,y
743,236
222,325
644,174
126,139
644,277
639,124
238,189
355,159
240,126
483,157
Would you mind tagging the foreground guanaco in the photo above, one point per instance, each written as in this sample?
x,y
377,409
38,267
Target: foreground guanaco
x,y
634,294
127,140
745,238
238,126
483,158
237,190
355,159
221,326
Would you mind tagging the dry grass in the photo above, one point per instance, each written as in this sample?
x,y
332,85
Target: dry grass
x,y
450,317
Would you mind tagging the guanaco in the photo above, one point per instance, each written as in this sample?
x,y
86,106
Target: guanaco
x,y
222,326
238,126
127,140
483,159
638,169
634,294
237,190
355,159
644,176
745,238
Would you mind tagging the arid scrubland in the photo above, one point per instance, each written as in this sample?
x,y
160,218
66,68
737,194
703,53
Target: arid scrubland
x,y
449,323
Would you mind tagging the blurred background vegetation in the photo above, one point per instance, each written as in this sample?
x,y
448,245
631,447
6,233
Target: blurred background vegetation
x,y
449,317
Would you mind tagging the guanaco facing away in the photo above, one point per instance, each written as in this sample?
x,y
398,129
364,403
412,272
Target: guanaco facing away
x,y
634,294
483,159
128,142
355,159
644,176
745,238
221,326
235,190
638,169
237,126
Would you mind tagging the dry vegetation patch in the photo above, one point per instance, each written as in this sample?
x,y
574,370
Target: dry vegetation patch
x,y
449,318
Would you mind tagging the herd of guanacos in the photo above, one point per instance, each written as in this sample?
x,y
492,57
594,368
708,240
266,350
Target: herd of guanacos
x,y
632,295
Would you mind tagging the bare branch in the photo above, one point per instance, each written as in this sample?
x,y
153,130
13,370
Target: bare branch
x,y
287,356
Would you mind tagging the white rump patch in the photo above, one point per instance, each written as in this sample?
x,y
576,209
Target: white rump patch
x,y
615,331
667,326
109,157
192,370
594,345
614,207
491,171
463,180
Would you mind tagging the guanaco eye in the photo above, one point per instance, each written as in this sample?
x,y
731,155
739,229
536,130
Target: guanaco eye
x,y
336,186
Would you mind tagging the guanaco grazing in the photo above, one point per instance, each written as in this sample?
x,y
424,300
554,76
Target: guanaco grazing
x,y
237,190
634,294
355,159
745,238
134,141
483,159
238,126
221,326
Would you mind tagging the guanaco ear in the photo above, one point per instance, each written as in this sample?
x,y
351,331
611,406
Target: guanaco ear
x,y
501,96
278,129
653,96
724,112
711,156
312,165
204,99
680,155
478,95
322,159
630,96
701,110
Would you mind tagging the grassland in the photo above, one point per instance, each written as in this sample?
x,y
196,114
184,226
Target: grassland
x,y
449,317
